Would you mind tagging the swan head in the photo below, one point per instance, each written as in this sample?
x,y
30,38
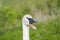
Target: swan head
x,y
28,20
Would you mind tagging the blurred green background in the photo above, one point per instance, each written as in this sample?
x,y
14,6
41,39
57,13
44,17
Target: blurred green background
x,y
47,12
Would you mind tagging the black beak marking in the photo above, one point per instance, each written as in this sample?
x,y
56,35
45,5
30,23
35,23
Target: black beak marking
x,y
31,21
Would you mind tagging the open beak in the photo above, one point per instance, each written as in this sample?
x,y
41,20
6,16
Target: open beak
x,y
32,26
31,21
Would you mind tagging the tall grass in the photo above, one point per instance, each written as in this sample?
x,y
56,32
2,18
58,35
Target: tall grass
x,y
12,11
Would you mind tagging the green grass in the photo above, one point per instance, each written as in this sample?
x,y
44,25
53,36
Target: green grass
x,y
14,34
12,11
45,31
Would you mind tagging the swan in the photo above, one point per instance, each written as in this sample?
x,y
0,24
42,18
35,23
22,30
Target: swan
x,y
27,22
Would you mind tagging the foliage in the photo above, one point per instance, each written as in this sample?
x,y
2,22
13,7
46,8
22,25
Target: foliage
x,y
12,11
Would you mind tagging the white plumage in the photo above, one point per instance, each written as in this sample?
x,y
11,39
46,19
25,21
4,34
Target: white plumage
x,y
26,25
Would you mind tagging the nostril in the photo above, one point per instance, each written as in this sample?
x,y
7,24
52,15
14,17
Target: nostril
x,y
31,21
27,17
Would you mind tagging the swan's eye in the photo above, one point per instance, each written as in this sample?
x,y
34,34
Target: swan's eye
x,y
31,21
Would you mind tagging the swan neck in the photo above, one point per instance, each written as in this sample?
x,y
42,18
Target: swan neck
x,y
25,32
